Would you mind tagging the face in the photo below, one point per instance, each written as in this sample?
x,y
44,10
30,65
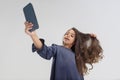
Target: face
x,y
69,38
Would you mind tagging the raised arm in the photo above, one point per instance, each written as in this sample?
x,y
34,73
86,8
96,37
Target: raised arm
x,y
38,44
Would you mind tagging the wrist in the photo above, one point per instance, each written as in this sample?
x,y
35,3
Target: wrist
x,y
33,35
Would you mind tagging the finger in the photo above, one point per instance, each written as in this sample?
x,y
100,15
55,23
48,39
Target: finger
x,y
26,23
92,35
27,29
31,24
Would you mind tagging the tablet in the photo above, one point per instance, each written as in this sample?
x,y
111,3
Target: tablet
x,y
30,16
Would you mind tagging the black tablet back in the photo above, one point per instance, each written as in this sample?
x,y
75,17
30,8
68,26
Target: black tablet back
x,y
30,16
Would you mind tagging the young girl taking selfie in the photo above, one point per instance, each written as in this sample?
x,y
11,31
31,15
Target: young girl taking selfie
x,y
70,59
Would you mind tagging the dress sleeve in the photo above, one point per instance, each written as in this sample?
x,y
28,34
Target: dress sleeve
x,y
46,52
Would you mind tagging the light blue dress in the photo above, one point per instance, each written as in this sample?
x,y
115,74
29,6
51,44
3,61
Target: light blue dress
x,y
64,65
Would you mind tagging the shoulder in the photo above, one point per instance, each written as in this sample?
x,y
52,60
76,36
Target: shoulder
x,y
61,49
56,45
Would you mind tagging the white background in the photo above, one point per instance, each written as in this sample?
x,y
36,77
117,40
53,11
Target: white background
x,y
101,17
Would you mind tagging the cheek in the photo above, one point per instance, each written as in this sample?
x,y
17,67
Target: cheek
x,y
64,36
72,40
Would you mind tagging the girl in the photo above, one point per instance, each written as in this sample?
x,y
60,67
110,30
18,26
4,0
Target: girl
x,y
70,59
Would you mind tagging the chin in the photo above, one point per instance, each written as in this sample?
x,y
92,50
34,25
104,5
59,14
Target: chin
x,y
66,43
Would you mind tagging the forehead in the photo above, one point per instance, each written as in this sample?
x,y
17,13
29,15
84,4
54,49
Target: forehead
x,y
71,31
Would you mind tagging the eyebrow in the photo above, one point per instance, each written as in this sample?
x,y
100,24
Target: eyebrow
x,y
72,34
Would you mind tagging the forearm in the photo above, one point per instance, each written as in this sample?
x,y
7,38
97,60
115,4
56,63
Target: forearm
x,y
28,26
38,44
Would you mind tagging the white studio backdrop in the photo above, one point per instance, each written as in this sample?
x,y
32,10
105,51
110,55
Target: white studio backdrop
x,y
101,17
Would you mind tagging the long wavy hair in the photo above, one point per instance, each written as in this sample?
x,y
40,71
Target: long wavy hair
x,y
87,50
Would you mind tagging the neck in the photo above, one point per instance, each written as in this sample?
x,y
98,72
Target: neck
x,y
67,46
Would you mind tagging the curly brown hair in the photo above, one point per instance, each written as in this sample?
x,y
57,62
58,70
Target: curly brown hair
x,y
87,51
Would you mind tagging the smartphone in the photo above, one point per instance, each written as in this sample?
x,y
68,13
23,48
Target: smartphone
x,y
30,16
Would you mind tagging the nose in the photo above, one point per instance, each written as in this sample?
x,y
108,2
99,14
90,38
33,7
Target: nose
x,y
68,35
